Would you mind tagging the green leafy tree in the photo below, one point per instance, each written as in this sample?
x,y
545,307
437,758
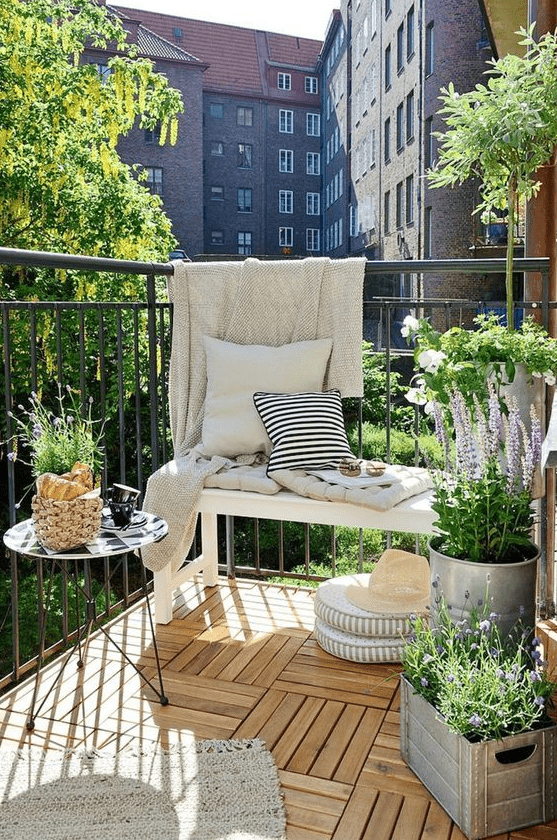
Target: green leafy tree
x,y
502,132
63,186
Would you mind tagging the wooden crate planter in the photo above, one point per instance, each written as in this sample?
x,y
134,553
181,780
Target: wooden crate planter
x,y
487,788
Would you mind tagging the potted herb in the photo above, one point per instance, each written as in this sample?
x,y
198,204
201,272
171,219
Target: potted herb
x,y
65,455
468,359
502,133
483,500
474,724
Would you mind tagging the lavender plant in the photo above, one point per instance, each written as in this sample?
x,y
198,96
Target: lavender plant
x,y
483,687
55,441
483,496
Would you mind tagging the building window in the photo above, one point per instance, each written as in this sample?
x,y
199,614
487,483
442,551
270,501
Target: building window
x,y
217,193
387,212
400,127
312,239
400,48
399,204
244,156
244,200
217,147
153,135
428,143
387,67
286,160
429,49
428,233
312,203
387,140
313,166
216,110
217,237
353,220
244,116
177,32
373,16
313,125
387,8
103,70
154,179
244,242
372,147
410,33
284,81
410,116
311,84
286,201
286,237
286,121
410,200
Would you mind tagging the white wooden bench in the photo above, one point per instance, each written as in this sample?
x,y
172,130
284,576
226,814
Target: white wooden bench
x,y
413,516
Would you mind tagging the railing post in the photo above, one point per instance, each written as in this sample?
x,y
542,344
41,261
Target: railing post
x,y
153,371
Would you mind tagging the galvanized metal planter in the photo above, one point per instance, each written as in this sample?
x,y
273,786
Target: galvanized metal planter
x,y
487,788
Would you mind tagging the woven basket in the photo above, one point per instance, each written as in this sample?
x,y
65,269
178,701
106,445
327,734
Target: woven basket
x,y
60,524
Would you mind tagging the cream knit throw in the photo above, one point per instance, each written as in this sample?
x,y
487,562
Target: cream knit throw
x,y
251,302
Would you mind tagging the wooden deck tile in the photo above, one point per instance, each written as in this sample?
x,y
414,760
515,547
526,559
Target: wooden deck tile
x,y
240,661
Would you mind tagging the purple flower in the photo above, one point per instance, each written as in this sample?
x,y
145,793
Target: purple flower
x,y
536,641
12,456
427,658
37,431
475,720
485,625
539,701
424,682
450,678
499,673
535,676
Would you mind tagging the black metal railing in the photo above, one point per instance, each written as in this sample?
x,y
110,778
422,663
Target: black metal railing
x,y
119,354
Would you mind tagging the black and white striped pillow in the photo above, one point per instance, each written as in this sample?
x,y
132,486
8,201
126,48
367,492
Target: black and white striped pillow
x,y
306,429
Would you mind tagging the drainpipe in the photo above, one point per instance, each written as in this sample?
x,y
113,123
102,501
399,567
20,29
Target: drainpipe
x,y
541,240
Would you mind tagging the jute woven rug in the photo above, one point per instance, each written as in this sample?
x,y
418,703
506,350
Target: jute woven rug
x,y
209,790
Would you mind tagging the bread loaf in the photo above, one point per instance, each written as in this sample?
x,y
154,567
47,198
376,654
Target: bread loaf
x,y
67,486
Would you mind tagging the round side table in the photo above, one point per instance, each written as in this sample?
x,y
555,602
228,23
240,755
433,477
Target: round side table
x,y
144,529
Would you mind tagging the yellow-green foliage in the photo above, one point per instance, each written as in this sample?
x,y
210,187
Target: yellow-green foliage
x,y
62,184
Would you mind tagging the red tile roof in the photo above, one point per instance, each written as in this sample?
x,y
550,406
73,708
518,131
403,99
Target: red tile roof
x,y
235,55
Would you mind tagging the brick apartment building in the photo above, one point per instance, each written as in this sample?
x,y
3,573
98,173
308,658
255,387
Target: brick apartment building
x,y
383,65
173,172
259,122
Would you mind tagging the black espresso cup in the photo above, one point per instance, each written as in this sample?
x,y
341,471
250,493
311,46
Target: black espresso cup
x,y
122,512
122,501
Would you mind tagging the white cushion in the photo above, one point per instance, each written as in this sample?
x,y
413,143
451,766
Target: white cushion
x,y
306,429
231,425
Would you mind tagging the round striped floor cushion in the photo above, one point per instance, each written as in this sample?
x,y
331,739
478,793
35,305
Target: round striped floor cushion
x,y
333,608
357,648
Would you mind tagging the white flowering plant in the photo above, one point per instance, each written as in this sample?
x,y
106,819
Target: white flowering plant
x,y
468,359
484,686
483,495
55,441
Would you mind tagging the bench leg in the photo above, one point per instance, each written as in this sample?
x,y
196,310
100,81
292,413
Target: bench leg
x,y
209,547
164,591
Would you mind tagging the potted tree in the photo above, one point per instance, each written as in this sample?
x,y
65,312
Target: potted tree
x,y
501,133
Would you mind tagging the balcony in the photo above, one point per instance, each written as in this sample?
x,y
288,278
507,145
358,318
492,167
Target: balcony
x,y
239,659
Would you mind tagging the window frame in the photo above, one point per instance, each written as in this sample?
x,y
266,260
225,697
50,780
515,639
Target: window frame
x,y
286,121
410,109
313,236
288,156
244,248
400,48
313,204
217,192
286,201
388,59
244,156
310,83
220,144
400,126
245,109
154,185
410,35
286,237
409,199
214,106
244,191
429,49
313,121
310,167
284,81
387,140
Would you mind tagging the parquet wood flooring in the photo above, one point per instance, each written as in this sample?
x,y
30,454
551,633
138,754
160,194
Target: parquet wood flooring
x,y
240,661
